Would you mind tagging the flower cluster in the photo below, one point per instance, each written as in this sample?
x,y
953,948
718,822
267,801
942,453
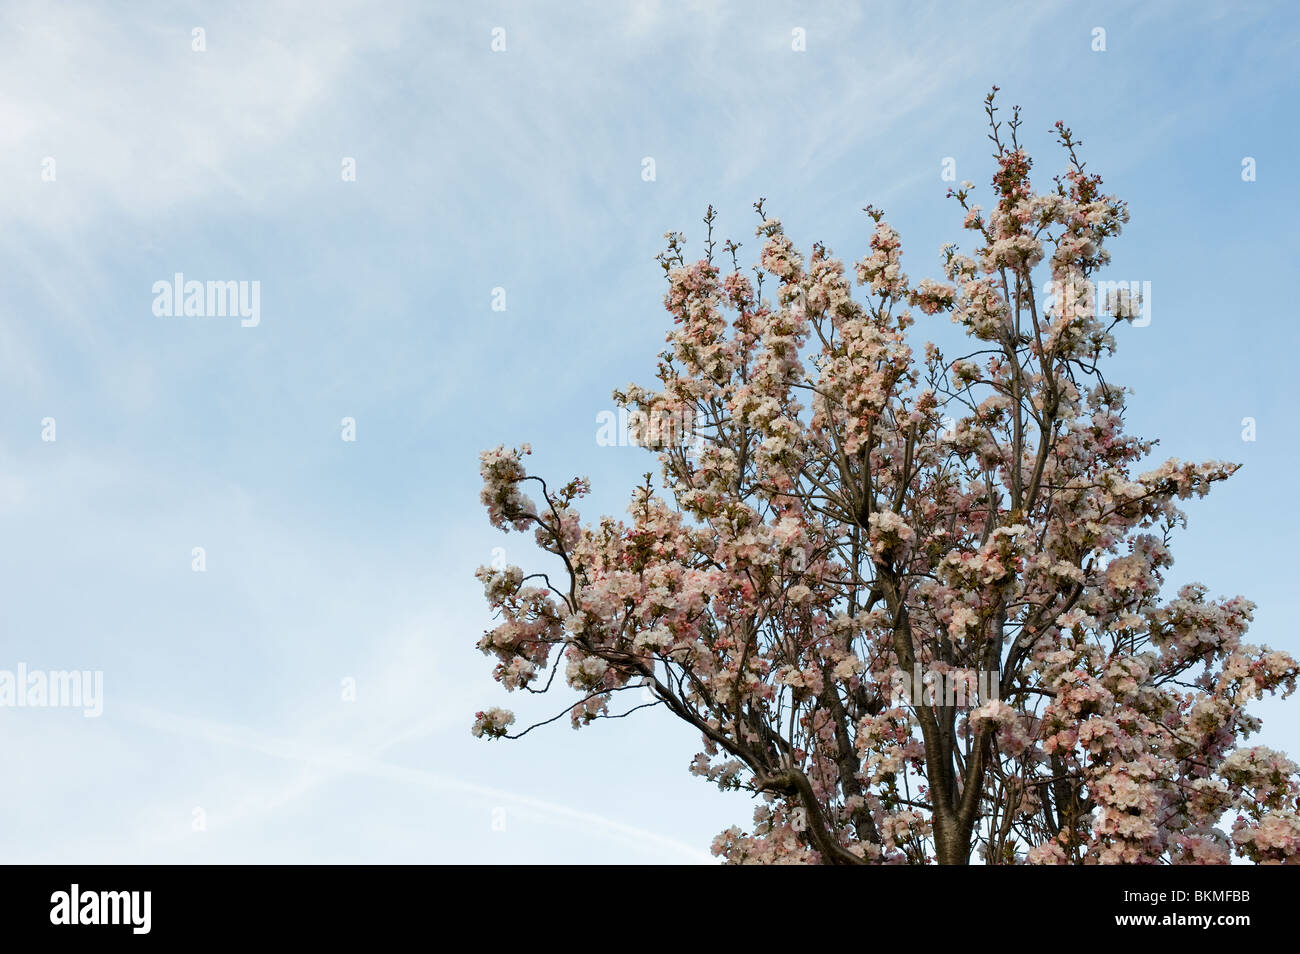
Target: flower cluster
x,y
850,513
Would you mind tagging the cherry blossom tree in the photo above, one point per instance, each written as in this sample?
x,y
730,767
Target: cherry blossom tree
x,y
835,510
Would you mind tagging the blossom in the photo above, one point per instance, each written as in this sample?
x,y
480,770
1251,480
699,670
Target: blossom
x,y
853,516
492,723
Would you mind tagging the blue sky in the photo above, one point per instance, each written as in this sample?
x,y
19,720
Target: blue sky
x,y
518,169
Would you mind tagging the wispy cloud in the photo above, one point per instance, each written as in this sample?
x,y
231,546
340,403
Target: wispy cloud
x,y
333,763
476,170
